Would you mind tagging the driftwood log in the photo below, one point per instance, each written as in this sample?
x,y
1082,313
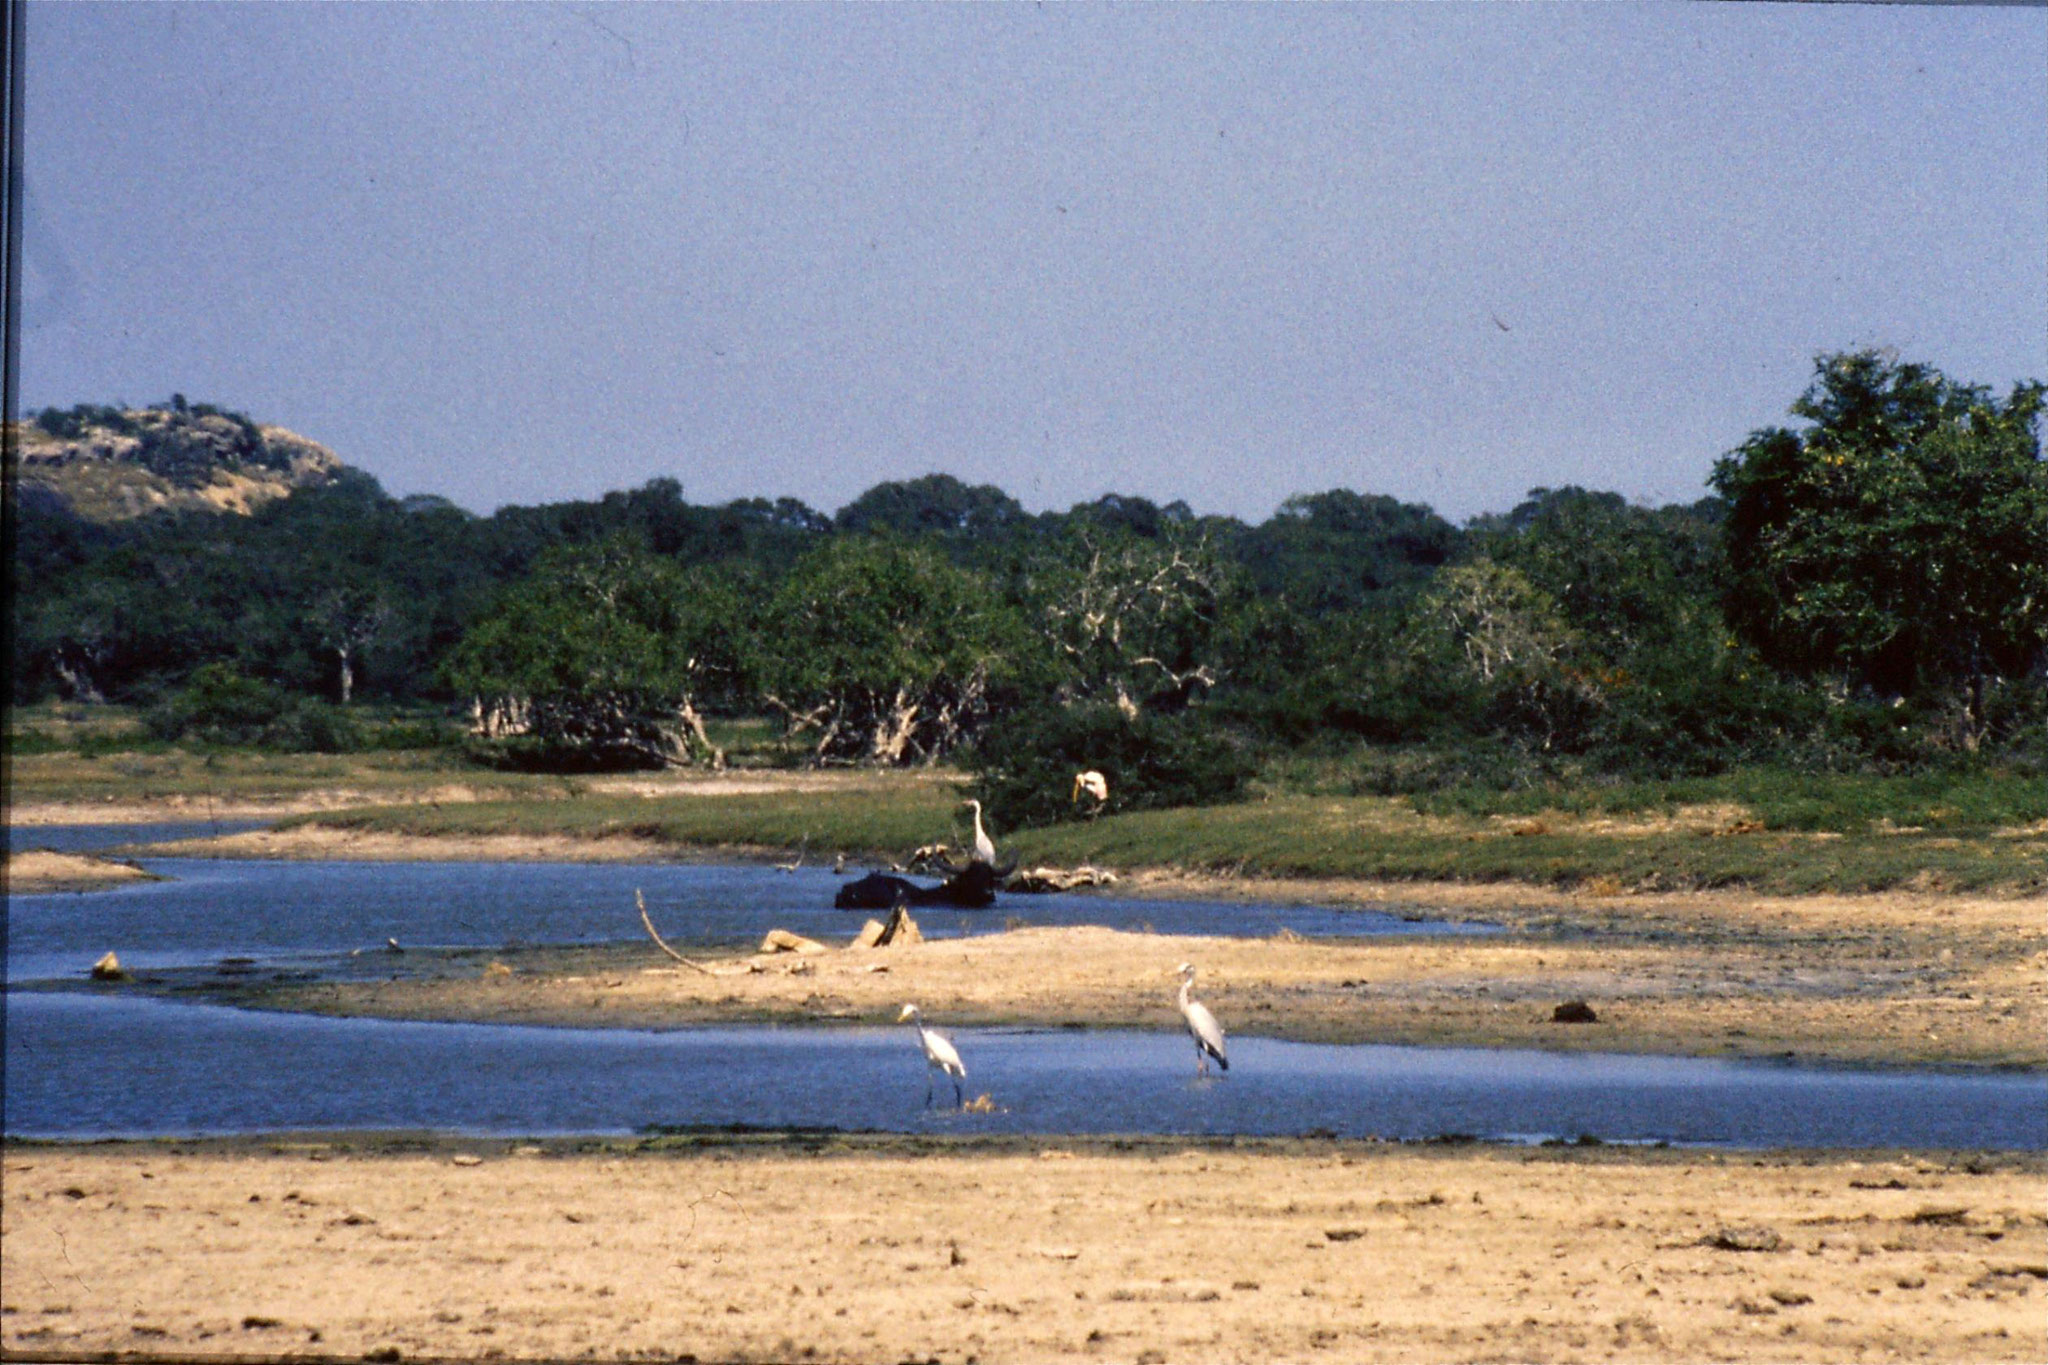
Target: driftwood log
x,y
1043,879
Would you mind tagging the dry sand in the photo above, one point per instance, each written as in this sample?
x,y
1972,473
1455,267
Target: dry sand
x,y
906,1249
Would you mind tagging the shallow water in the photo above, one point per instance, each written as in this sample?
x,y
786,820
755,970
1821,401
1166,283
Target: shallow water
x,y
95,838
80,1066
88,1062
308,912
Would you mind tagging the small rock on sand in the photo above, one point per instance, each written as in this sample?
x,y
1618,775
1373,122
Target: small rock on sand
x,y
1744,1237
783,941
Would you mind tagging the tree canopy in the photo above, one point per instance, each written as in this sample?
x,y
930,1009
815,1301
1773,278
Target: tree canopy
x,y
1899,540
1867,585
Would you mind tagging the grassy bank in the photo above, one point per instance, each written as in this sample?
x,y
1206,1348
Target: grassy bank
x,y
1767,829
1386,838
169,772
864,815
1667,845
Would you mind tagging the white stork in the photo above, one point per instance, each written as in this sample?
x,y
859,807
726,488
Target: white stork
x,y
939,1055
1202,1025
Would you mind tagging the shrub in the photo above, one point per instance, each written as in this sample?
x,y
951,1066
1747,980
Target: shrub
x,y
1026,761
551,753
219,705
312,727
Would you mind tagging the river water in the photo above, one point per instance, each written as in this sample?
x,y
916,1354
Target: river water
x,y
304,911
132,1066
86,1061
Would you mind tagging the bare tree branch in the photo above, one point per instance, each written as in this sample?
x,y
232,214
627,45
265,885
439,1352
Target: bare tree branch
x,y
641,901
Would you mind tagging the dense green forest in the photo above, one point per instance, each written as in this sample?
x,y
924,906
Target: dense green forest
x,y
1867,590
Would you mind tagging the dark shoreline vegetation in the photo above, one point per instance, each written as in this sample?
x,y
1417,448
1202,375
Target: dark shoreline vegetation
x,y
1831,673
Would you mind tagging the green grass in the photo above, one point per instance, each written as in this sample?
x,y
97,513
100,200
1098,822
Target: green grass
x,y
1363,837
1292,836
143,773
1955,803
1962,801
889,818
1768,829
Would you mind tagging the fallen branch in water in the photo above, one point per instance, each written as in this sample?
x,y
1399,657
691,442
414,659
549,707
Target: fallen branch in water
x,y
641,901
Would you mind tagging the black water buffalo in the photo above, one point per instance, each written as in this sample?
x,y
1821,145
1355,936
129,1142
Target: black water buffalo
x,y
971,889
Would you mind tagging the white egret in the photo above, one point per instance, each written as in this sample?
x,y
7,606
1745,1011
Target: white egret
x,y
1091,783
939,1055
984,847
1202,1025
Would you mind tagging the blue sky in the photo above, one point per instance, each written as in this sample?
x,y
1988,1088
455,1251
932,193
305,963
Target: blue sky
x,y
1222,253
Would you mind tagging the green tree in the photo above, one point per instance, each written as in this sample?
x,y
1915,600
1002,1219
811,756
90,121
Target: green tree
x,y
883,650
604,657
937,504
1336,550
1899,541
1629,579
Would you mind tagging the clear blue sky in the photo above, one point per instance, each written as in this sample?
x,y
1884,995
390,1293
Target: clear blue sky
x,y
1221,253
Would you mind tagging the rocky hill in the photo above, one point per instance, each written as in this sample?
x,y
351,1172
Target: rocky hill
x,y
108,464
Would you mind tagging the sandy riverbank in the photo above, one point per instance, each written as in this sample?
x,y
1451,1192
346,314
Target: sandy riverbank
x,y
1897,978
30,809
897,1249
40,871
172,809
325,841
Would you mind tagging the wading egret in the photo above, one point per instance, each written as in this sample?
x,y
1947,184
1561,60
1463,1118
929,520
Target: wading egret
x,y
984,847
939,1055
1202,1025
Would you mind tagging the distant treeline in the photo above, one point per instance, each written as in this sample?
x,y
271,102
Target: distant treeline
x,y
1870,588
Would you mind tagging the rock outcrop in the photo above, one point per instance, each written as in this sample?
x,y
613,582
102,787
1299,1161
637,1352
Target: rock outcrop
x,y
106,464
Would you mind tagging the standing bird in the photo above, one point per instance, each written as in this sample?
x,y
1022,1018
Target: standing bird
x,y
1092,784
984,847
939,1055
1202,1025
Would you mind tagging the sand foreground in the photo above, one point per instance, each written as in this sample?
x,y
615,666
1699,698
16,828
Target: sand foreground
x,y
1027,1250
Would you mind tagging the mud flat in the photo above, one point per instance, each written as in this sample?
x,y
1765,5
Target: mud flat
x,y
720,1248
